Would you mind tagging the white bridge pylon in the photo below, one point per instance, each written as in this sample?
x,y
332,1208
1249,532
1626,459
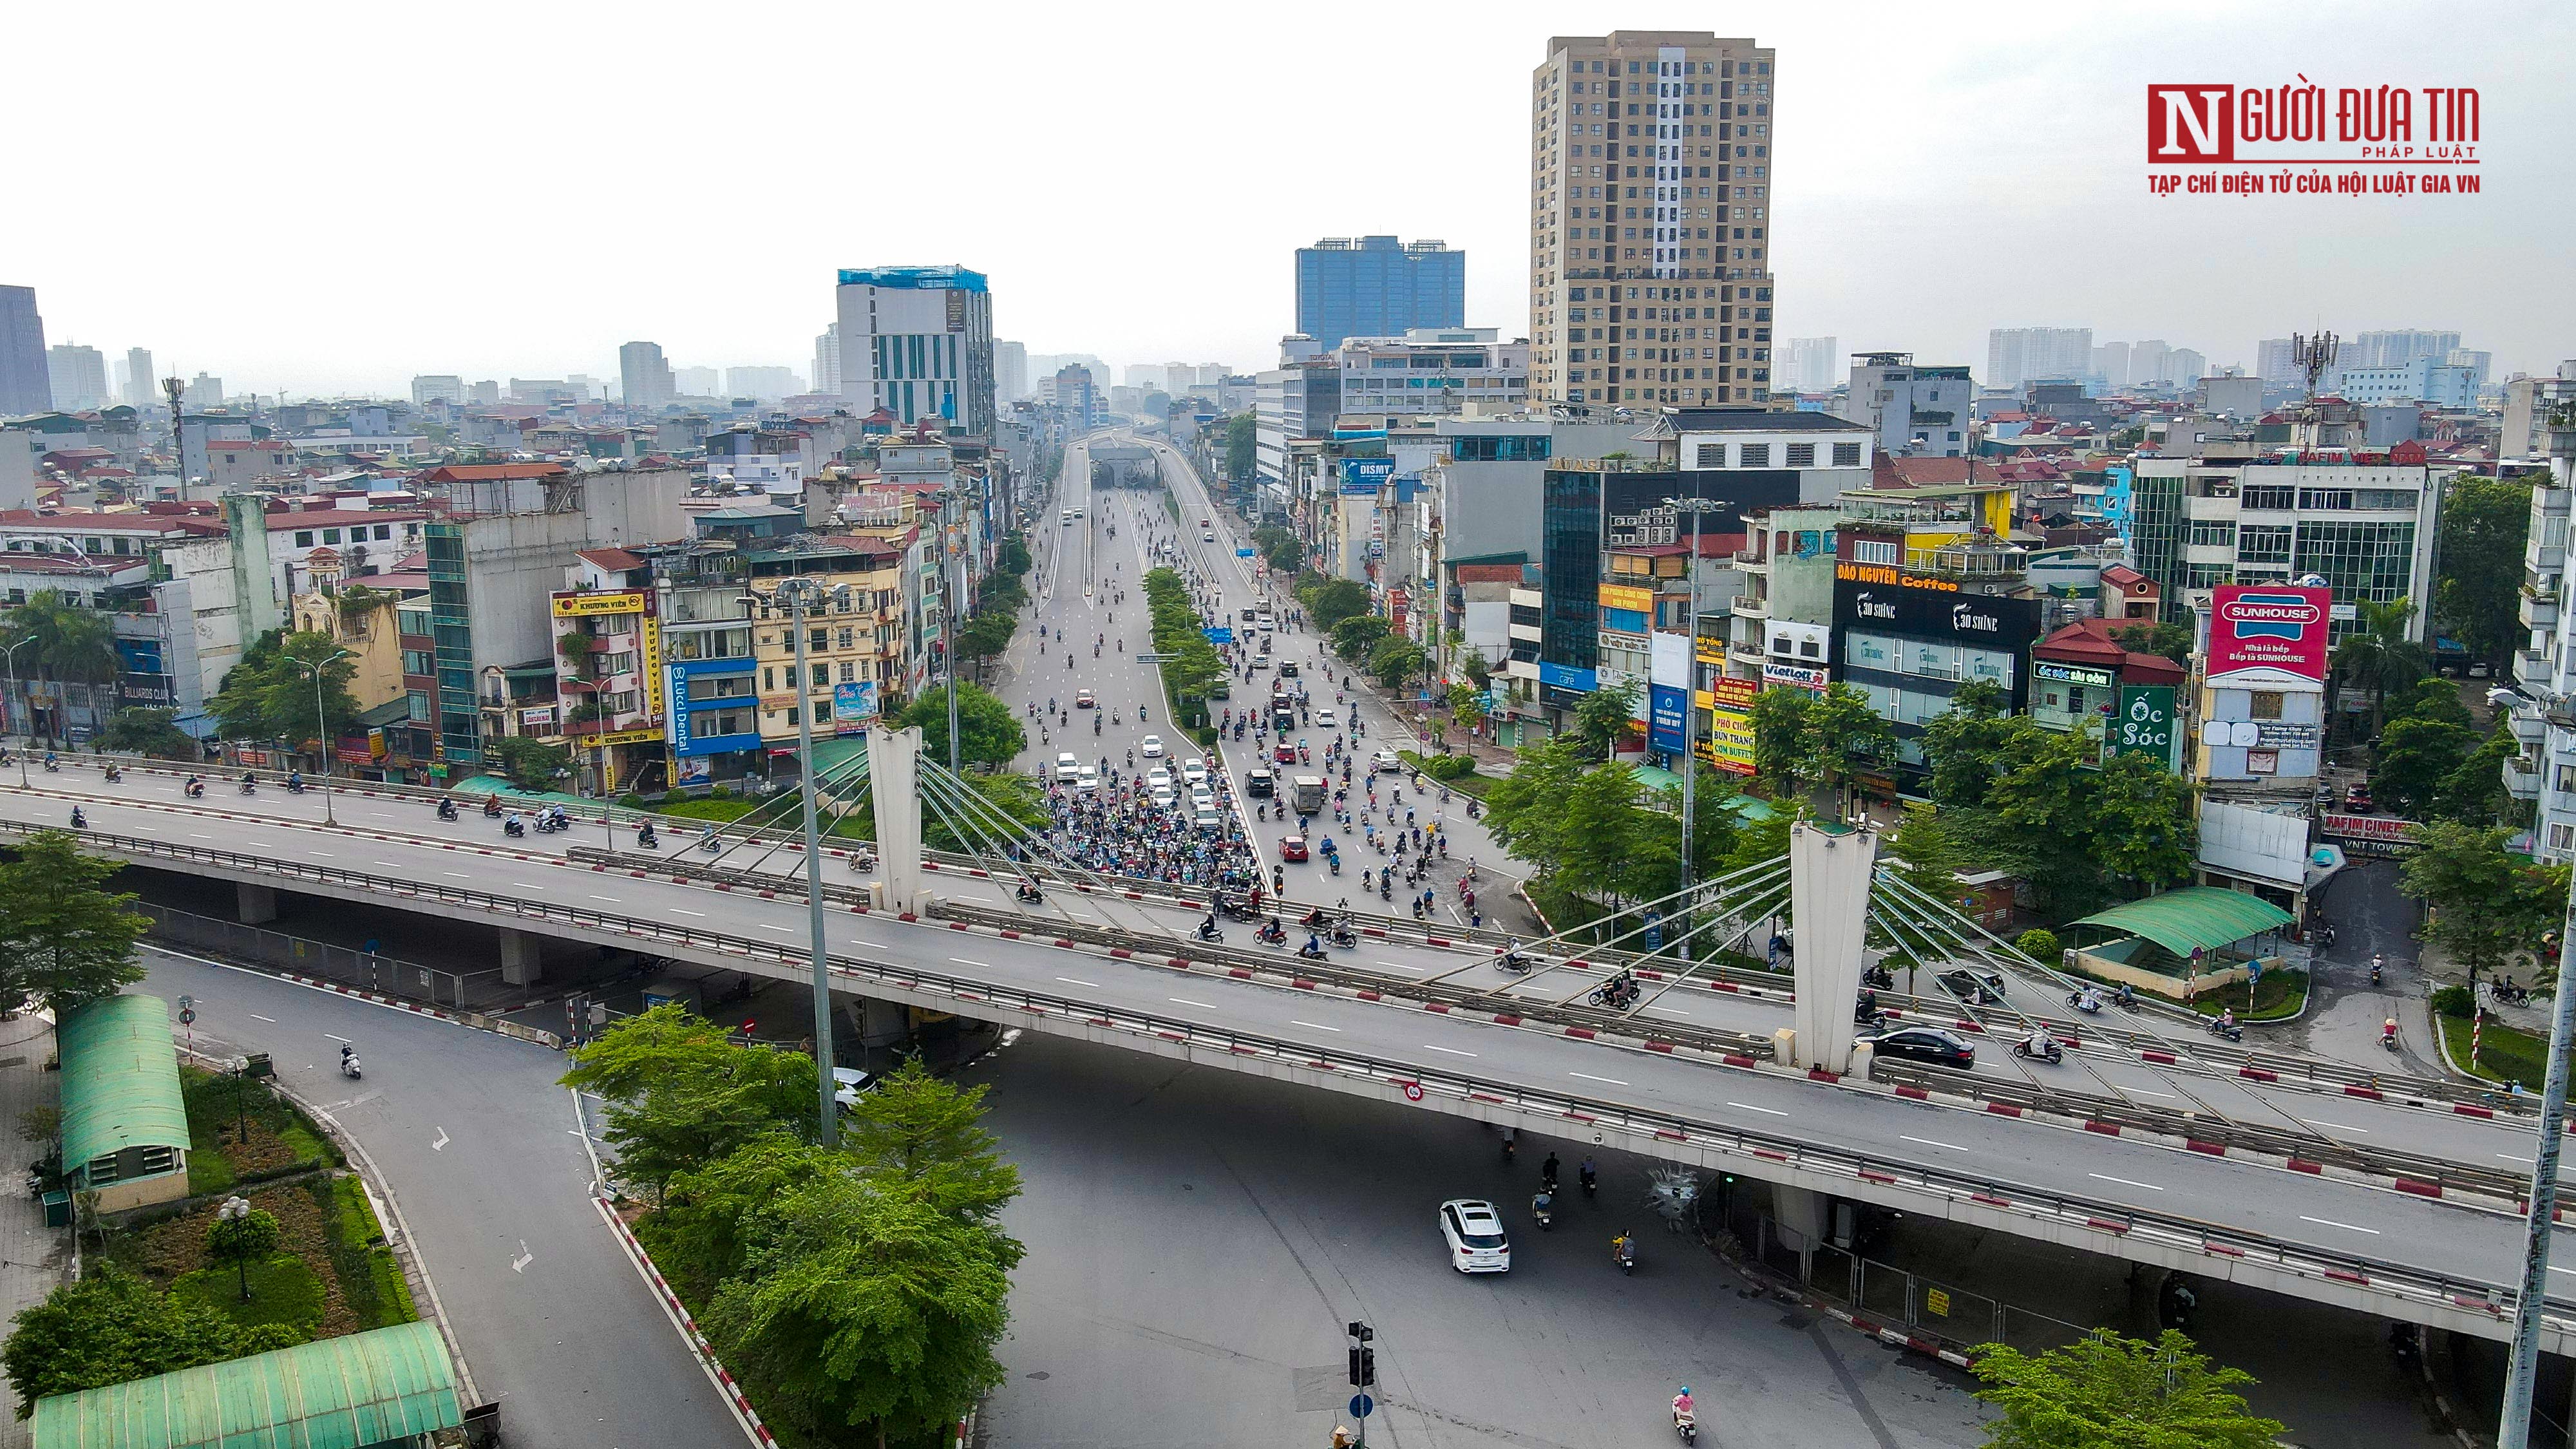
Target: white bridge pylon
x,y
1829,883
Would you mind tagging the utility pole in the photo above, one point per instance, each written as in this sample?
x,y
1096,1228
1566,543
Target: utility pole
x,y
801,598
948,543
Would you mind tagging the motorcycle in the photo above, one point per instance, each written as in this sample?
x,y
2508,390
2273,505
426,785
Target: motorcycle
x,y
513,829
1310,952
249,786
1512,961
645,839
2084,1001
1207,931
1591,1180
2387,1039
2229,1030
712,845
2052,1056
1272,934
1617,995
1344,937
196,789
1878,978
294,785
1685,1425
1623,1251
349,1066
79,821
1029,893
447,810
115,773
1543,1211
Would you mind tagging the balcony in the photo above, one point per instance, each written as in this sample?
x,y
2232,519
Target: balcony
x,y
2533,668
2521,780
1745,606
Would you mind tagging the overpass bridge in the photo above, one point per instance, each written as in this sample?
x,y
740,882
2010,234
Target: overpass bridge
x,y
2255,1192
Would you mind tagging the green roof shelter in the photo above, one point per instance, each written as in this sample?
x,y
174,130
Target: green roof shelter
x,y
125,1129
392,1387
2204,918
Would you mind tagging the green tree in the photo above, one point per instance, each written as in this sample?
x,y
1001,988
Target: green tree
x,y
1353,637
1919,853
987,732
1239,430
1973,743
109,1327
926,1137
241,1235
1334,600
1395,660
865,1307
1779,718
2485,522
2039,944
1467,703
1605,716
700,1235
2475,793
2379,657
528,762
2146,823
680,1096
1478,669
269,696
986,635
2109,1392
148,732
1845,735
64,938
2173,641
1279,548
1006,794
1522,809
1013,558
2416,758
71,645
2485,904
2431,699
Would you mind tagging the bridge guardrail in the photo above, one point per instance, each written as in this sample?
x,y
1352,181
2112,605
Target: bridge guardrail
x,y
1647,1126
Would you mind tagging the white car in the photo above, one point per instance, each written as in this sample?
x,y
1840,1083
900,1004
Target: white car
x,y
1208,818
1158,778
1260,661
1088,778
1384,761
1152,748
1194,772
1066,767
1162,796
1325,719
847,1084
1474,1232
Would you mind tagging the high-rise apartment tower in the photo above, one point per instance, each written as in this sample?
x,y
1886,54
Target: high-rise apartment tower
x,y
1650,219
26,382
918,342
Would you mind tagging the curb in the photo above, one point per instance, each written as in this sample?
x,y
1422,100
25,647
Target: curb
x,y
743,1413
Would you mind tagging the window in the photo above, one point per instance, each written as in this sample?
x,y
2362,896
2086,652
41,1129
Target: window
x,y
416,704
1755,455
1802,455
1710,455
2262,543
819,639
330,535
2269,498
2566,780
1846,455
419,661
2264,704
2214,532
304,538
1886,551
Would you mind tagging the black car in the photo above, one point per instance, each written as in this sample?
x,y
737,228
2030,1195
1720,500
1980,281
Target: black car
x,y
1257,783
1979,988
1924,1044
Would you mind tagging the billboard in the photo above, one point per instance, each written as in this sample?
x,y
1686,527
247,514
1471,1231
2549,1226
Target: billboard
x,y
2268,627
854,704
1668,674
1729,703
2145,725
1366,475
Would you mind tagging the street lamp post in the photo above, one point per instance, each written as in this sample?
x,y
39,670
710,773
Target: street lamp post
x,y
321,729
1690,692
801,598
16,703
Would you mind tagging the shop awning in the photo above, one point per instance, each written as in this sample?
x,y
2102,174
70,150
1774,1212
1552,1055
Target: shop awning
x,y
2193,918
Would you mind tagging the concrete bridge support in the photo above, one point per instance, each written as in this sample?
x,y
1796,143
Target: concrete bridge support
x,y
255,905
1829,879
522,957
894,785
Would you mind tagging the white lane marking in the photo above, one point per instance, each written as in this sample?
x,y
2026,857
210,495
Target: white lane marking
x,y
871,945
192,835
1453,1051
2125,1182
321,855
255,1016
2336,1126
2331,1223
1398,965
1587,1076
391,864
338,1038
979,965
520,1263
1185,1001
2143,1092
1749,1107
525,886
441,1144
460,875
685,911
782,930
1319,1026
1668,1011
602,898
1928,1142
1077,981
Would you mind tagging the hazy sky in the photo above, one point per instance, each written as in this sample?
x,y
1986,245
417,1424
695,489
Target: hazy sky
x,y
329,196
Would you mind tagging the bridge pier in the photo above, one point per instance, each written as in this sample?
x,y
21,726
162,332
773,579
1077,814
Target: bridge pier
x,y
894,787
254,905
1829,879
522,958
1802,1211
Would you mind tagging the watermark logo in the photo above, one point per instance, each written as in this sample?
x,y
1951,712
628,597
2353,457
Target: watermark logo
x,y
2302,138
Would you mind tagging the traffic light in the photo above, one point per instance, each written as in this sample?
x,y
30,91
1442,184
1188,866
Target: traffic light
x,y
1363,1359
1368,1367
1355,1366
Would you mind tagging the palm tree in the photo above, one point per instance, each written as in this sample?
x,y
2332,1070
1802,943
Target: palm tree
x,y
72,645
2379,657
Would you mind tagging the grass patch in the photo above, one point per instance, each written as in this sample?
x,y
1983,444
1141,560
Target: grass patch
x,y
720,811
2279,994
2505,1054
242,1132
282,1290
371,1281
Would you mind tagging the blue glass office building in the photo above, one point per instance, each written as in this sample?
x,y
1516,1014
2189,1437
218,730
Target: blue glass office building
x,y
1376,286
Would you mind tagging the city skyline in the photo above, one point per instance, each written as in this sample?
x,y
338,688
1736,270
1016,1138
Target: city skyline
x,y
1886,239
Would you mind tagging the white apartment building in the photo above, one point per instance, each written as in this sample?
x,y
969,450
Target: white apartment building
x,y
2544,670
1432,370
1916,411
2367,529
918,342
2015,355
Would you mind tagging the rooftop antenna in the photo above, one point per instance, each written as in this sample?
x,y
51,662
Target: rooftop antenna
x,y
172,387
2314,354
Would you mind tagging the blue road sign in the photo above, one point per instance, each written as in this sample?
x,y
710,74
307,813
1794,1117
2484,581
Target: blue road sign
x,y
1219,636
1243,553
1362,1406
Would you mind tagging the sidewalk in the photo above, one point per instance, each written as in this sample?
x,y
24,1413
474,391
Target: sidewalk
x,y
34,1259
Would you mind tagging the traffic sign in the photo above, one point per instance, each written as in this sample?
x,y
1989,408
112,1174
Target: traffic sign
x,y
187,1016
1362,1406
1413,1091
